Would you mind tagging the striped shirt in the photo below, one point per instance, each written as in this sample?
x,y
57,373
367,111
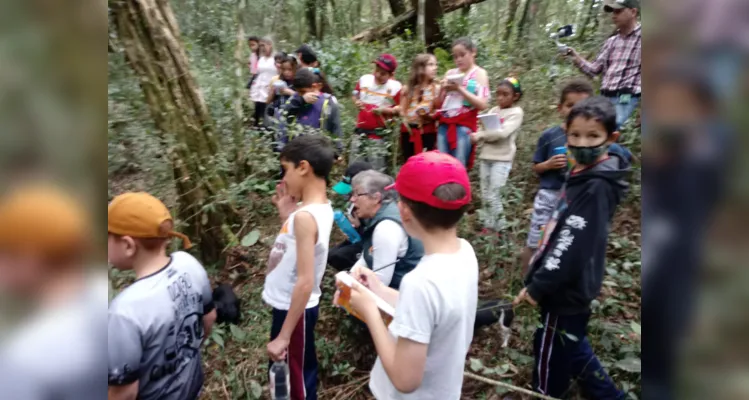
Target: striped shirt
x,y
620,61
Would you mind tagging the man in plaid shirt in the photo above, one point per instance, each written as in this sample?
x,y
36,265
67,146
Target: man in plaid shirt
x,y
620,60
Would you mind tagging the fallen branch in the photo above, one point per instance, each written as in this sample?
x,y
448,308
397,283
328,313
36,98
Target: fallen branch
x,y
405,21
507,386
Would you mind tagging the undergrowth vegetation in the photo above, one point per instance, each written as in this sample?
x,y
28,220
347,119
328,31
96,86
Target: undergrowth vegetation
x,y
235,357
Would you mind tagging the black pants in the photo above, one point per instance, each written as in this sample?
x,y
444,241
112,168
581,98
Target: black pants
x,y
428,140
344,255
562,353
259,115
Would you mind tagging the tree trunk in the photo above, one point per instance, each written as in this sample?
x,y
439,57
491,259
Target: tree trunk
x,y
397,7
420,20
512,9
586,21
432,13
407,20
149,35
375,11
310,9
524,20
323,5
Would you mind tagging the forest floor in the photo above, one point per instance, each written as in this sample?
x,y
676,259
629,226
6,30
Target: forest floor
x,y
235,359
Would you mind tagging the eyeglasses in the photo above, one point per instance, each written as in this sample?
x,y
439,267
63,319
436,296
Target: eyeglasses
x,y
355,195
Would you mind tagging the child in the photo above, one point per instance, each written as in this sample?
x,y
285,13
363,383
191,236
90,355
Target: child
x,y
551,165
297,262
498,151
461,103
377,96
423,351
312,108
157,324
419,131
567,270
281,89
266,70
45,239
254,44
307,58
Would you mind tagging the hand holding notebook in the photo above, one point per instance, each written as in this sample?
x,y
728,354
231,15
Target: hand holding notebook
x,y
491,122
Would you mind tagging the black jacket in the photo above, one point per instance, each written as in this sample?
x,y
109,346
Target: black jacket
x,y
567,271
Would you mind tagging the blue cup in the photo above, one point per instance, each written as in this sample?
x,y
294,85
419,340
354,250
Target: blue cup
x,y
560,150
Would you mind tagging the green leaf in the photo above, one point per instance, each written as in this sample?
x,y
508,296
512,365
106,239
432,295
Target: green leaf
x,y
631,364
476,364
636,327
251,238
218,340
256,390
237,333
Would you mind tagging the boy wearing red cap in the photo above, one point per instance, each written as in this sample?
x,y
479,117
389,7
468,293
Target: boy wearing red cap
x,y
156,325
423,351
377,96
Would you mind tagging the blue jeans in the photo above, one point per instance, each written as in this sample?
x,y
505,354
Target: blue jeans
x,y
559,358
624,111
463,150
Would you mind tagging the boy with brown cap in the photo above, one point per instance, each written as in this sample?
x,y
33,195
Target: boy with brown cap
x,y
422,353
45,242
156,325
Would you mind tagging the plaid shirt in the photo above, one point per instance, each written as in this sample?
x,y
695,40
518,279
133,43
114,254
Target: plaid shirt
x,y
620,61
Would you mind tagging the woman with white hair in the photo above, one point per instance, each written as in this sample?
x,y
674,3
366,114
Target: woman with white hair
x,y
386,247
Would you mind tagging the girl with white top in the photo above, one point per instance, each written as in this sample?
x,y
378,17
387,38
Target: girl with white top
x,y
497,152
266,70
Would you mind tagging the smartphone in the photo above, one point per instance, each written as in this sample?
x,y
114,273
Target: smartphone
x,y
350,210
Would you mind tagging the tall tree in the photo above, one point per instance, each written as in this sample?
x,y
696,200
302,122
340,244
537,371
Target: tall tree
x,y
397,7
148,33
512,9
588,17
524,19
310,10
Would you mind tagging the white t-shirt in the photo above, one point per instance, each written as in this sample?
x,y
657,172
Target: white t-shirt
x,y
266,70
436,306
389,243
282,270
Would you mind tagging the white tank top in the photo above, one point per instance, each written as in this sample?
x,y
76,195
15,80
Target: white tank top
x,y
282,262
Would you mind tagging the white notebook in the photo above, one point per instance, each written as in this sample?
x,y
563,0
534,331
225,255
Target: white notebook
x,y
491,122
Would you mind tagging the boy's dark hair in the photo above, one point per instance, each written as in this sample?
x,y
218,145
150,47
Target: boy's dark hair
x,y
577,85
308,55
305,78
465,42
432,218
597,108
289,59
317,150
279,57
253,39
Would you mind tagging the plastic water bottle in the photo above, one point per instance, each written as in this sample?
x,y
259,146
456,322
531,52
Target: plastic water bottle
x,y
280,385
345,225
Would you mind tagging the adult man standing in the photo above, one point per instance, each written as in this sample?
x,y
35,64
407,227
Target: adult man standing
x,y
620,59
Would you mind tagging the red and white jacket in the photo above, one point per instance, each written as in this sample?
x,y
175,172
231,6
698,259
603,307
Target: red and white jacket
x,y
375,96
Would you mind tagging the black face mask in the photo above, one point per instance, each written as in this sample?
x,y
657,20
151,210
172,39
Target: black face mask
x,y
587,155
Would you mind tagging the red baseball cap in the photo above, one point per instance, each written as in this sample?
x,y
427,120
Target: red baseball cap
x,y
387,62
423,173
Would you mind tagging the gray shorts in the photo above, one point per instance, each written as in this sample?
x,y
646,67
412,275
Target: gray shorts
x,y
543,206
